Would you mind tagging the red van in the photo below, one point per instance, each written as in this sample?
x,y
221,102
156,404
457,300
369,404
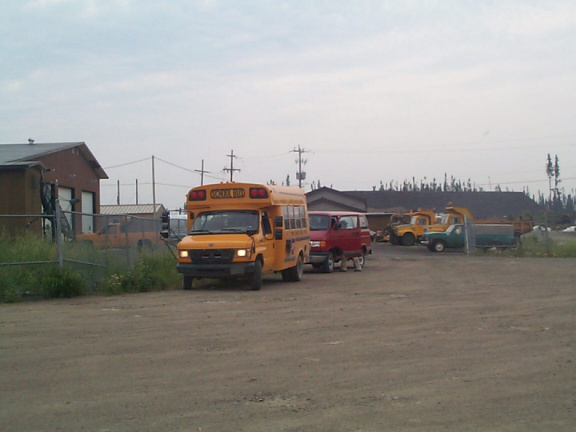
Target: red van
x,y
335,235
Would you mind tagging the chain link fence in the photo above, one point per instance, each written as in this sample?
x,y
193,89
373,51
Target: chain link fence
x,y
122,236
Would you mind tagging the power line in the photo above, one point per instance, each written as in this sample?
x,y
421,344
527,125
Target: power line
x,y
127,163
188,169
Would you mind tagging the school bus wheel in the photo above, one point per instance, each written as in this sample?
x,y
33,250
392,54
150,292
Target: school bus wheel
x,y
187,282
294,274
256,278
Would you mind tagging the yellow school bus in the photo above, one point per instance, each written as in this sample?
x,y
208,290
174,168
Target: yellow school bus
x,y
244,230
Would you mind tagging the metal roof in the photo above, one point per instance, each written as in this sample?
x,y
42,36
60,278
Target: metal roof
x,y
129,209
10,153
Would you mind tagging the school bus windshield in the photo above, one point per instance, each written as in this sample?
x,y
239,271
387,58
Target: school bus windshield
x,y
226,221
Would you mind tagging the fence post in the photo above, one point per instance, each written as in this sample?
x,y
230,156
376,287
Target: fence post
x,y
59,236
126,220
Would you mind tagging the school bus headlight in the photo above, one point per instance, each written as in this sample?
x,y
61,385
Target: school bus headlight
x,y
183,254
243,253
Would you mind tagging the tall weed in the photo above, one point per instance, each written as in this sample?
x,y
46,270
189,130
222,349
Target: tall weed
x,y
86,270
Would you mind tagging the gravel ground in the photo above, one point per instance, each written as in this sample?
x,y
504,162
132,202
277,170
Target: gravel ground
x,y
415,342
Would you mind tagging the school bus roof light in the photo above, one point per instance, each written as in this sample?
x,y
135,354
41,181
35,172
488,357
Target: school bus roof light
x,y
197,195
258,193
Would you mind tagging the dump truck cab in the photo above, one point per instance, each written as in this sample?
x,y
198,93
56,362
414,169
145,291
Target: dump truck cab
x,y
409,234
452,216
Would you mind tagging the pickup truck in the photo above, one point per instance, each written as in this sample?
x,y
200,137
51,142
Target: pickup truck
x,y
117,235
486,236
460,215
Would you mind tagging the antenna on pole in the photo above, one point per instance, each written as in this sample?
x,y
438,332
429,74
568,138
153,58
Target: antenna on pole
x,y
201,171
300,175
231,169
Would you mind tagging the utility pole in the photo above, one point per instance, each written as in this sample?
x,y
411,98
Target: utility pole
x,y
300,175
231,169
201,171
153,189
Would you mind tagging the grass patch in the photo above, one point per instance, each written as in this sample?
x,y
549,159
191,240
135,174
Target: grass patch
x,y
535,247
111,272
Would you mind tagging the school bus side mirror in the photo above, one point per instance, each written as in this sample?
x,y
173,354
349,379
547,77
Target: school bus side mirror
x,y
278,222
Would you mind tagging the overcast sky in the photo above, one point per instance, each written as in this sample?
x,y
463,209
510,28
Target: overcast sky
x,y
373,91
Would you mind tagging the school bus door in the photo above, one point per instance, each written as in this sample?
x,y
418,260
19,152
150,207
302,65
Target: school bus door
x,y
264,241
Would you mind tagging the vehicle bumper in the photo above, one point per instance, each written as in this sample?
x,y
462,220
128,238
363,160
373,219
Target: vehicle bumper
x,y
215,270
318,257
424,242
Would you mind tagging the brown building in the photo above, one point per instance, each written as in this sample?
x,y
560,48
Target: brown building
x,y
35,178
482,205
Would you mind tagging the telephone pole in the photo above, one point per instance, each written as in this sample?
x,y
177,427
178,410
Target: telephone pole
x,y
300,175
153,188
201,171
231,169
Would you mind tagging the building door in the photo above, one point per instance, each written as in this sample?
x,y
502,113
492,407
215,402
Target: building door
x,y
65,201
87,212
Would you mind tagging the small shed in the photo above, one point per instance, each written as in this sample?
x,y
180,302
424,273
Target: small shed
x,y
326,198
140,217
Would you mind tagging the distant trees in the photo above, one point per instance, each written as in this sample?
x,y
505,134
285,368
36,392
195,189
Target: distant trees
x,y
553,172
560,203
434,185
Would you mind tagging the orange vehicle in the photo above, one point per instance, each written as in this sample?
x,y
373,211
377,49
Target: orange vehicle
x,y
244,230
412,232
452,216
136,233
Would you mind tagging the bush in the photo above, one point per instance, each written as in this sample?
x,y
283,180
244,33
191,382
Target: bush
x,y
111,274
151,272
61,283
535,247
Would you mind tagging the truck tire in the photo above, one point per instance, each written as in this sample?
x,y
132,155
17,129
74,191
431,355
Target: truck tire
x,y
187,282
256,278
294,274
408,239
328,265
438,246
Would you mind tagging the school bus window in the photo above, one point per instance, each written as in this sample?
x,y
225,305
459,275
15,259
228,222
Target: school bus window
x,y
286,217
297,217
303,216
266,228
291,216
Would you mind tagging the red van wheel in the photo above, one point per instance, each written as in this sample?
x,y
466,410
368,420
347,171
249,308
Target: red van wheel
x,y
328,265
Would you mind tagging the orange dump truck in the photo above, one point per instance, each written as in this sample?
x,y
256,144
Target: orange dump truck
x,y
412,232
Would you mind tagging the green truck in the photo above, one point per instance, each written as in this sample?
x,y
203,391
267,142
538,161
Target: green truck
x,y
483,236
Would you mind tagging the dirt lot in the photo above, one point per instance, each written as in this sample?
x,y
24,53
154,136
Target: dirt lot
x,y
416,342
